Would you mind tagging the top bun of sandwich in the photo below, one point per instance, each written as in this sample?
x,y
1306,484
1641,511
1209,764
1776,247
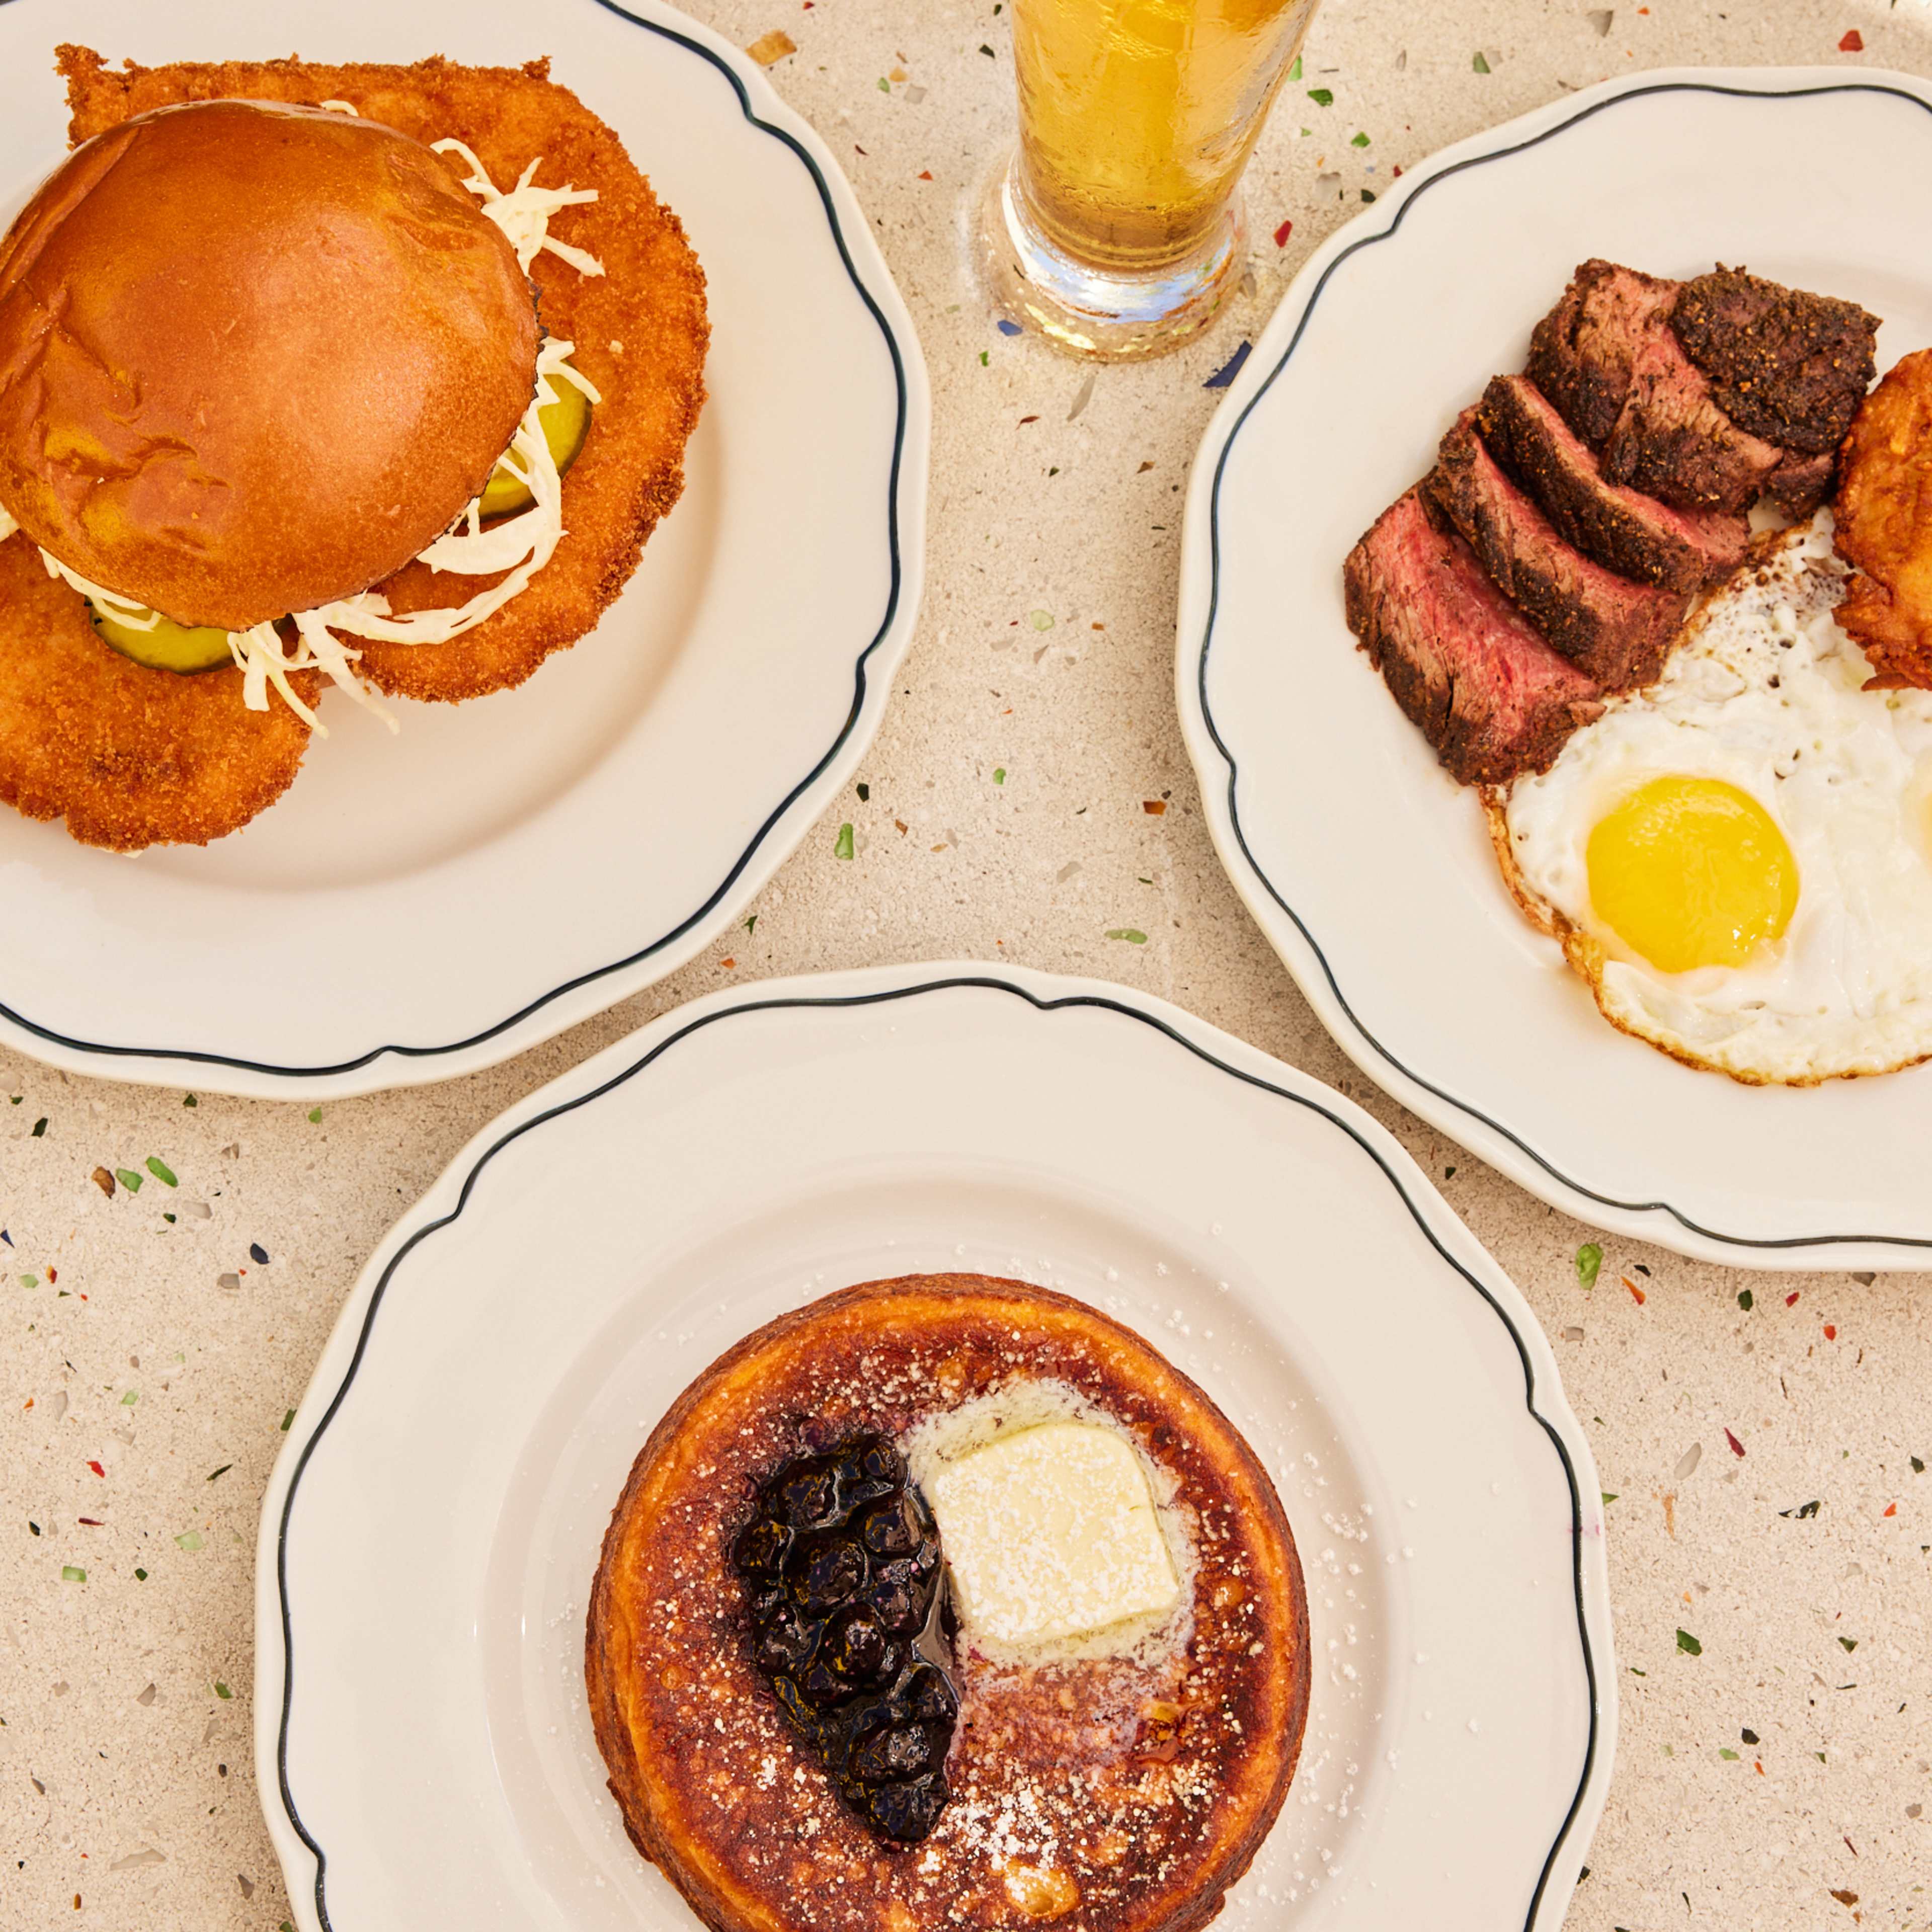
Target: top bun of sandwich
x,y
254,358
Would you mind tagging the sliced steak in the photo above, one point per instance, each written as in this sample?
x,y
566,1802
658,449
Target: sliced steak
x,y
1615,630
1696,391
1586,351
1800,484
1789,366
1672,441
1485,688
1631,534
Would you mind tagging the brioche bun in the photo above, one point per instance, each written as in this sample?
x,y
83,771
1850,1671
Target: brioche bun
x,y
254,358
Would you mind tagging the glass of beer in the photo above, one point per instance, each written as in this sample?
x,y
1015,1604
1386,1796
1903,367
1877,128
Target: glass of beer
x,y
1115,227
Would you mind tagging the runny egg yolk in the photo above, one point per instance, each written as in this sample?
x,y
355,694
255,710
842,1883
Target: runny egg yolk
x,y
1691,871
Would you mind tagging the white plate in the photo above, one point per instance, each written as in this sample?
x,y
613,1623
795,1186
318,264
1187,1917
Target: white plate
x,y
419,907
1367,868
429,1532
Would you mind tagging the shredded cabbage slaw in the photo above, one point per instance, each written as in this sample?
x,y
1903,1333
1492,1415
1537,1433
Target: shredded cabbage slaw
x,y
523,214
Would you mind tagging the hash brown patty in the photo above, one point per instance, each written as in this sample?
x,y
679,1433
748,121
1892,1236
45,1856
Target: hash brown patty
x,y
1884,513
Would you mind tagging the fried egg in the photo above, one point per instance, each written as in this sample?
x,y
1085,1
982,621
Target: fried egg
x,y
1739,859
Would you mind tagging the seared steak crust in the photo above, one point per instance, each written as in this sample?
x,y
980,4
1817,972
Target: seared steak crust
x,y
1800,484
1789,366
1672,441
1585,351
1615,630
1464,665
1630,533
1551,557
1706,394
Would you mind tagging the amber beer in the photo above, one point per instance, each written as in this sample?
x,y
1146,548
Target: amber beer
x,y
1137,116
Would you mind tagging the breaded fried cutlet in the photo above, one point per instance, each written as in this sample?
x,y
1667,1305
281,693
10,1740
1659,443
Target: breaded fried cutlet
x,y
130,757
639,329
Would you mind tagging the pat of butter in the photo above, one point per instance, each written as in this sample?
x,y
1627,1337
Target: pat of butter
x,y
1050,1533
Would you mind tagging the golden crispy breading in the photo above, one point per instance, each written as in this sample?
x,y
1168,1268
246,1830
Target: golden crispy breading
x,y
639,328
130,757
1884,513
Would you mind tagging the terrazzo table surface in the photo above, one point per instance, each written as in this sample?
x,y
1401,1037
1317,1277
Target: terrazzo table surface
x,y
1780,1779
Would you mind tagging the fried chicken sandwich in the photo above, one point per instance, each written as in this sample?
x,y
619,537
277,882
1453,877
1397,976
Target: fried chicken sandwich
x,y
299,389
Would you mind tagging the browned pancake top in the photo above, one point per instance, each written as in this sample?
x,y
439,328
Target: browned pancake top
x,y
1109,1794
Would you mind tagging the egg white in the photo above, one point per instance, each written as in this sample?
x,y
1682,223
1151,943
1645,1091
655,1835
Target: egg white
x,y
1764,693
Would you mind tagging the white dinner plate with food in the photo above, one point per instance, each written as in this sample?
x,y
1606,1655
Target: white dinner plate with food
x,y
1372,869
417,905
430,1535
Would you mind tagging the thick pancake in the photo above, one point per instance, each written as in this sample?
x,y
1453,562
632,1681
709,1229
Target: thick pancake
x,y
1116,1795
130,757
640,329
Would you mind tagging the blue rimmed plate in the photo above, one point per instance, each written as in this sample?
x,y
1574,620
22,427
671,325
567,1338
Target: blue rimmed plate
x,y
430,1532
1367,868
421,906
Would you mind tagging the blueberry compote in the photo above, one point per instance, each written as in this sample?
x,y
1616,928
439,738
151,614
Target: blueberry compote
x,y
843,1569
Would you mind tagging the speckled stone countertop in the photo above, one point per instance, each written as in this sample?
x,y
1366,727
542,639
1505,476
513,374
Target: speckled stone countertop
x,y
1766,1462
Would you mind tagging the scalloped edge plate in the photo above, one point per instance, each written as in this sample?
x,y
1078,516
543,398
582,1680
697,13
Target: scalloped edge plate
x,y
1367,869
422,906
429,1529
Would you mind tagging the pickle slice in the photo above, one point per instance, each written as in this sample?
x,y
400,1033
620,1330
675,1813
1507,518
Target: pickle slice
x,y
169,646
186,648
565,422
